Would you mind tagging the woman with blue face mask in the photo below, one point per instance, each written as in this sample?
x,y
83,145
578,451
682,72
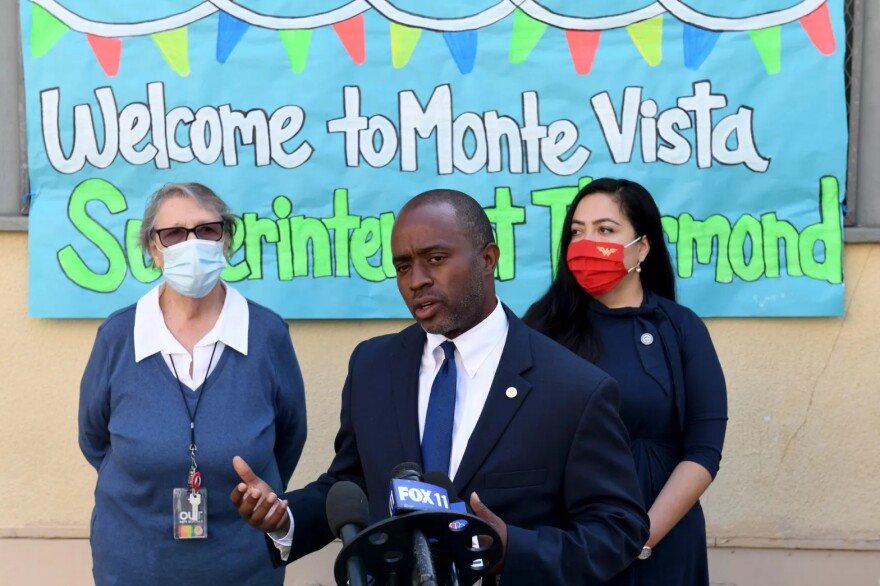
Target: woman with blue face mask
x,y
176,385
613,302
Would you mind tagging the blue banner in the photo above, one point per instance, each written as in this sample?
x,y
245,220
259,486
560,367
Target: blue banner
x,y
317,121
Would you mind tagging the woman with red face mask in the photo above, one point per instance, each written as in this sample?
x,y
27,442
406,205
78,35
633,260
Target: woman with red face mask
x,y
613,302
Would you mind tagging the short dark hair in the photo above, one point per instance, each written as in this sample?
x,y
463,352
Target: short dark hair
x,y
562,312
468,212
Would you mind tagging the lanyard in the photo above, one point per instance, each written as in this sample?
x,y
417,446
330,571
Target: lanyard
x,y
195,477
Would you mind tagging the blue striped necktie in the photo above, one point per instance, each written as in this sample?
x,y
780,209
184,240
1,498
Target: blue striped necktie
x,y
437,437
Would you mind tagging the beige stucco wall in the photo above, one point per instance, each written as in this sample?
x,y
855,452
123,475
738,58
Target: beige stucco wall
x,y
799,469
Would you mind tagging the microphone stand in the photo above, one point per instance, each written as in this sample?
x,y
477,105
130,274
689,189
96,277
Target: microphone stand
x,y
424,564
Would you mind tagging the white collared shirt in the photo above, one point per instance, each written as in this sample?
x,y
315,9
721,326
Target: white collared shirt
x,y
477,354
151,335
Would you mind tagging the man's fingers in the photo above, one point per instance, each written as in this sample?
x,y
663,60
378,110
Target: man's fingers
x,y
276,515
482,511
247,505
237,494
270,513
244,471
263,503
256,502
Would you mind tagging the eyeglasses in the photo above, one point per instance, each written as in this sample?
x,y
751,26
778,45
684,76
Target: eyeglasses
x,y
176,235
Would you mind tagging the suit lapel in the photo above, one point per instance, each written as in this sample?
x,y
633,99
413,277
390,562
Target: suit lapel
x,y
499,409
404,379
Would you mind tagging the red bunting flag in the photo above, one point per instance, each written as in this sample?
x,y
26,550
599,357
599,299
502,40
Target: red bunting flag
x,y
108,51
582,46
818,27
351,33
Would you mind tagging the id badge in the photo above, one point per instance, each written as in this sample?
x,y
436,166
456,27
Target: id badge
x,y
190,513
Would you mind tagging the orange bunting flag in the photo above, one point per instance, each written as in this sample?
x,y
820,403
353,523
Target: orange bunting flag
x,y
582,46
351,33
108,51
818,27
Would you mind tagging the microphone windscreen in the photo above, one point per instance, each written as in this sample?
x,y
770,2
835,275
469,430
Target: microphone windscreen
x,y
407,471
347,505
442,480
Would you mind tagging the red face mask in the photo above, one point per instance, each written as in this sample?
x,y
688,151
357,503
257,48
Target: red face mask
x,y
598,266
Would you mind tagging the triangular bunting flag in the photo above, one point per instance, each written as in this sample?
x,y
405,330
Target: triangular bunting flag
x,y
769,44
818,27
45,30
108,51
463,48
647,36
526,33
175,49
403,42
296,43
230,30
698,43
351,33
582,46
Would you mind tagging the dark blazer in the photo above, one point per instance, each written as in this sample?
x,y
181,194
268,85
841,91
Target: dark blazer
x,y
553,462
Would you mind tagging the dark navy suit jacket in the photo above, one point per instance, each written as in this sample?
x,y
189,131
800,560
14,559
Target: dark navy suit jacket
x,y
553,462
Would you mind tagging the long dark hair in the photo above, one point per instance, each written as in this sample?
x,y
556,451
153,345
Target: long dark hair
x,y
563,311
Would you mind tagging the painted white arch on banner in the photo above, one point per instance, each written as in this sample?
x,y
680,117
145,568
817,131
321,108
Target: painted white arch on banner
x,y
599,23
312,21
482,19
134,29
747,23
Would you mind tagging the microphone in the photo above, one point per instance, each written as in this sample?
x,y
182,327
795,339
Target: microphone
x,y
441,480
427,540
406,487
347,514
408,493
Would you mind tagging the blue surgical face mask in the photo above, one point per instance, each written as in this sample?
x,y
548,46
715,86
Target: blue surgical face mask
x,y
193,267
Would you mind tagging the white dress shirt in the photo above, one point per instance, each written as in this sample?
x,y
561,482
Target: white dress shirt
x,y
151,335
477,354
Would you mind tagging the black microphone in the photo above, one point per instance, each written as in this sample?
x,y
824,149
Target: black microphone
x,y
426,576
442,480
347,514
407,471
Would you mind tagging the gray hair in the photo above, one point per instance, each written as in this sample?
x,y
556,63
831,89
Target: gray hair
x,y
201,194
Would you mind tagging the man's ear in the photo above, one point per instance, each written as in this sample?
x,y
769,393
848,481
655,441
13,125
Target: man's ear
x,y
490,255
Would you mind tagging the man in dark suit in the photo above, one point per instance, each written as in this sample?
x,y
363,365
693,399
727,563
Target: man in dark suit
x,y
536,444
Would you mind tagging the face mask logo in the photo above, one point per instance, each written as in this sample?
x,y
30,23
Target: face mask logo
x,y
597,267
193,267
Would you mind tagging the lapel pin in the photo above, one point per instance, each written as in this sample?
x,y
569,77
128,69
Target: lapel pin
x,y
647,339
510,392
